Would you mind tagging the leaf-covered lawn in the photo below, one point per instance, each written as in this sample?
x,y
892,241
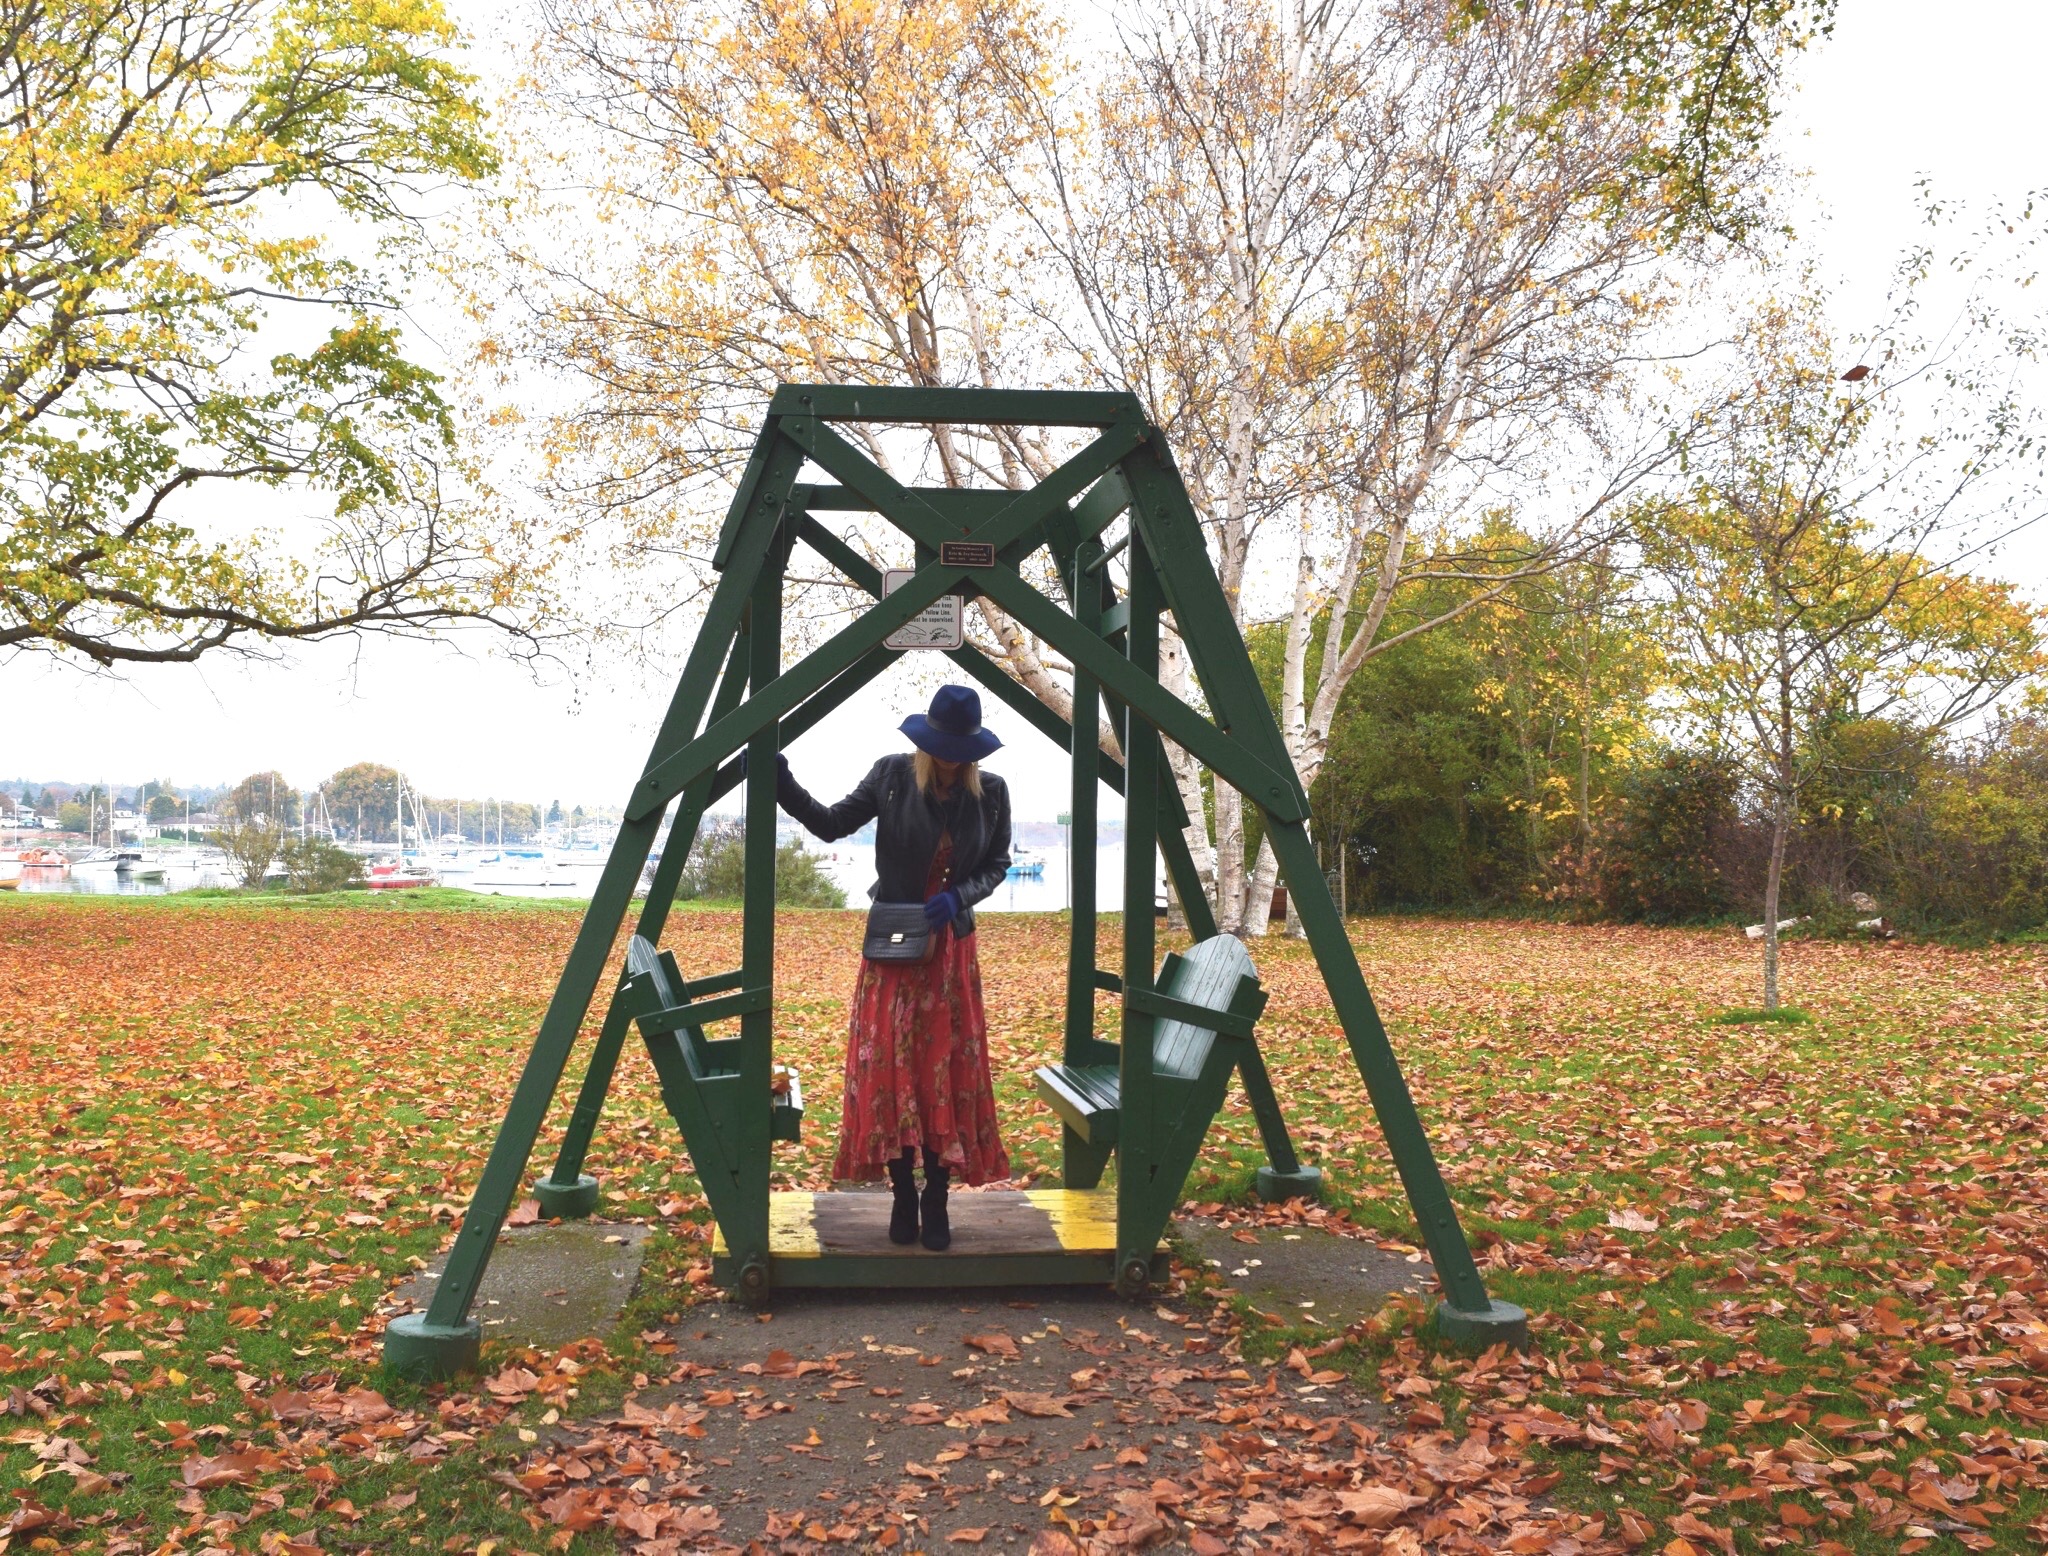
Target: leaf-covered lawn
x,y
1789,1280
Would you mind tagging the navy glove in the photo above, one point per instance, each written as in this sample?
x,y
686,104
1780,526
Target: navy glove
x,y
782,773
941,910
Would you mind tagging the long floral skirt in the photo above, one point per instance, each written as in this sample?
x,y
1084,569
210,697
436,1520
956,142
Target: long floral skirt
x,y
917,1067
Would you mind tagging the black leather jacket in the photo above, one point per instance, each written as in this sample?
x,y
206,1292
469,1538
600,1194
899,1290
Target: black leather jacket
x,y
908,826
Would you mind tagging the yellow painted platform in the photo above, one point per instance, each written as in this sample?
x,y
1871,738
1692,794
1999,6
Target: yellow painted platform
x,y
1000,1237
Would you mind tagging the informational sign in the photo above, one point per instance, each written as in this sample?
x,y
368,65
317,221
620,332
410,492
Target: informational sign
x,y
941,624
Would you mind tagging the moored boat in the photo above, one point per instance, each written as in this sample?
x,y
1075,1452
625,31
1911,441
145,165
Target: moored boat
x,y
522,867
388,875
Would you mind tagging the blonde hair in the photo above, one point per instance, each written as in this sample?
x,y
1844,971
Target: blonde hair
x,y
926,766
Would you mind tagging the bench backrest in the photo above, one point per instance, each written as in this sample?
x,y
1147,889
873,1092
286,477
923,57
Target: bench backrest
x,y
1208,974
657,973
657,968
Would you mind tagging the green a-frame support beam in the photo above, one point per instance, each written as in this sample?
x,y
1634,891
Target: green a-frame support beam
x,y
734,696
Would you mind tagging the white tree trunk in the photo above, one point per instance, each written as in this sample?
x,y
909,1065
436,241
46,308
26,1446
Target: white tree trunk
x,y
1304,750
1187,772
1259,895
1230,879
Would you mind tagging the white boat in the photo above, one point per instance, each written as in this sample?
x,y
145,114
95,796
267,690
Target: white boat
x,y
98,861
132,864
522,867
197,858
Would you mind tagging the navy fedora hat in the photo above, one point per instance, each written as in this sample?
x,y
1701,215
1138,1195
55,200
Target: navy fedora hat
x,y
952,730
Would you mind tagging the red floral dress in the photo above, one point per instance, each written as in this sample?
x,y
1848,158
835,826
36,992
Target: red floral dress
x,y
917,1061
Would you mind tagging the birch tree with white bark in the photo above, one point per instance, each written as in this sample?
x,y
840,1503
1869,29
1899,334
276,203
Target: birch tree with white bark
x,y
1379,269
1196,208
1492,314
1369,263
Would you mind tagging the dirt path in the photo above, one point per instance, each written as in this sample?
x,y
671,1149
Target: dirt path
x,y
925,1421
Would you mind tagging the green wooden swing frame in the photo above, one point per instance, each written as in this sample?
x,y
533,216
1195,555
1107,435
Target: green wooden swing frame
x,y
734,696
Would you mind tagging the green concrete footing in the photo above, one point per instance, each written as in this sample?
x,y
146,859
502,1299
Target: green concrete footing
x,y
567,1201
1302,1183
1501,1324
427,1353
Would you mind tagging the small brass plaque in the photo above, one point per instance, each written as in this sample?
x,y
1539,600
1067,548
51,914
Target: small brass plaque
x,y
967,553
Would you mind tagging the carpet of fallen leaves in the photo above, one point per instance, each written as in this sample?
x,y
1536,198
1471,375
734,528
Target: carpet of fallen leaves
x,y
1790,1283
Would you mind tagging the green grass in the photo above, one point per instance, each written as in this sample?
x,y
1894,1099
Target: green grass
x,y
1751,1015
235,1124
1826,1191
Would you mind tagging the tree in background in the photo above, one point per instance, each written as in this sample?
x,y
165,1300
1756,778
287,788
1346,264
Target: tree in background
x,y
717,870
159,801
364,798
1969,847
177,183
1662,846
252,845
1812,569
314,864
1221,157
1574,672
267,796
1469,764
519,820
1420,785
88,810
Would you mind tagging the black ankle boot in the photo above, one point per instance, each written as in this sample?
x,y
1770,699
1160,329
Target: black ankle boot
x,y
903,1215
938,1232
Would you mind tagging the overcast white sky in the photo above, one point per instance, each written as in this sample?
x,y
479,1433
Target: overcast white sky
x,y
1901,90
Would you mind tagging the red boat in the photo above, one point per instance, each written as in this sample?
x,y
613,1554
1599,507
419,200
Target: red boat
x,y
386,876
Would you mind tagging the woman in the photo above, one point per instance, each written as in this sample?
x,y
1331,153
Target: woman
x,y
917,1072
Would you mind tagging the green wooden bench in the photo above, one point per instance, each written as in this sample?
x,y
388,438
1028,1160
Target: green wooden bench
x,y
700,1075
1203,1006
1085,1096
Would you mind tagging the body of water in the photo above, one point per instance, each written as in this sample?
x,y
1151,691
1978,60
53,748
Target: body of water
x,y
1047,891
570,873
573,873
166,871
